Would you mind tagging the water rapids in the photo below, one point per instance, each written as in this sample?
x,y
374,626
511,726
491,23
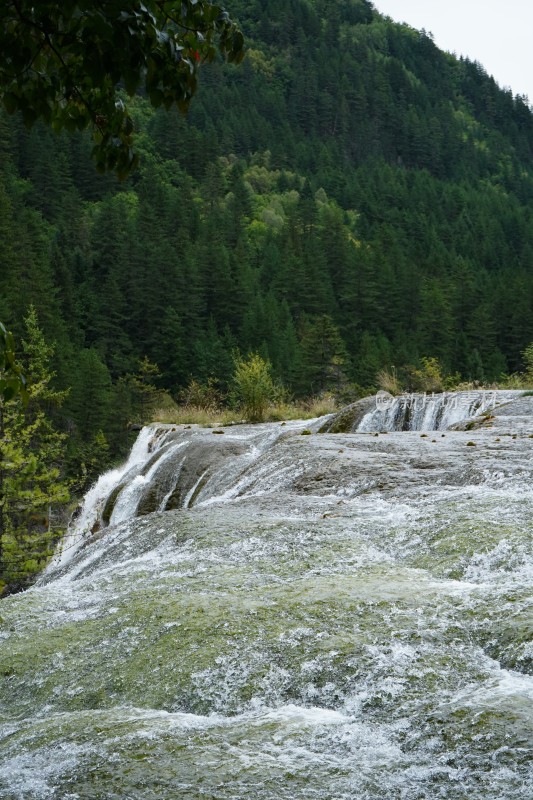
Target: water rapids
x,y
273,613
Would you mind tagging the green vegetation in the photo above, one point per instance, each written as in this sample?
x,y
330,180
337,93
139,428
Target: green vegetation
x,y
12,379
524,379
527,357
276,411
430,376
253,387
31,451
63,62
347,199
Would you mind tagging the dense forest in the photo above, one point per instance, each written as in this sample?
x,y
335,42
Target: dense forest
x,y
348,198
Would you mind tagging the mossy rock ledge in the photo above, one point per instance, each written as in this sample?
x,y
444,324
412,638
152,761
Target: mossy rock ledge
x,y
348,419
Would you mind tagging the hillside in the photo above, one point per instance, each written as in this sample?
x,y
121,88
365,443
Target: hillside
x,y
348,198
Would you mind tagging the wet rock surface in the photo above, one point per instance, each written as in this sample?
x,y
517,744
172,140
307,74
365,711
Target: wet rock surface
x,y
348,419
421,412
335,616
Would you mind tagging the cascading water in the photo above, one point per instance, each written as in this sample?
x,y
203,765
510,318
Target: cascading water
x,y
430,412
338,616
89,517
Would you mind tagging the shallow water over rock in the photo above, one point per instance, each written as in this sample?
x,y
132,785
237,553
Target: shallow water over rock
x,y
384,413
265,614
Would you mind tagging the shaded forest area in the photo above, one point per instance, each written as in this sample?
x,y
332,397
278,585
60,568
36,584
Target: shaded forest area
x,y
347,199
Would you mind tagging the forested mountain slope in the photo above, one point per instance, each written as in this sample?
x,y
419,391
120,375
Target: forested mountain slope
x,y
348,198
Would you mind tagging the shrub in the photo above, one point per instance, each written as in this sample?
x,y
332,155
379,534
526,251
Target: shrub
x,y
253,387
430,377
202,395
527,356
521,380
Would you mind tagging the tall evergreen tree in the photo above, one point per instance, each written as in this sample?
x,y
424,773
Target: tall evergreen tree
x,y
31,459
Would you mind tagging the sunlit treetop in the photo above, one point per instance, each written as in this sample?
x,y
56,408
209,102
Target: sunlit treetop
x,y
65,63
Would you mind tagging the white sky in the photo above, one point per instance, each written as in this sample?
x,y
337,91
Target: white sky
x,y
497,34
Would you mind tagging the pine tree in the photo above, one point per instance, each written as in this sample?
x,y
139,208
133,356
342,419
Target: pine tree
x,y
145,393
31,455
324,356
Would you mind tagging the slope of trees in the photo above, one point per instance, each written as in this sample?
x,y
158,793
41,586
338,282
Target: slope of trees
x,y
348,199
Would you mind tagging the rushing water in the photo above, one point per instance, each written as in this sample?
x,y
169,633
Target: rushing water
x,y
430,412
264,614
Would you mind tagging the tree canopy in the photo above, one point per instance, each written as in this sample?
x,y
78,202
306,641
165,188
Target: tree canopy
x,y
69,63
12,380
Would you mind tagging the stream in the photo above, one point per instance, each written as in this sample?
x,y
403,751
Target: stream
x,y
272,613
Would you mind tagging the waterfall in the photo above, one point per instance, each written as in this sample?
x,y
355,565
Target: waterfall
x,y
161,472
429,412
88,519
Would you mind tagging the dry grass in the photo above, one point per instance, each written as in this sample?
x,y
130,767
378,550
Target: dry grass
x,y
388,381
320,406
310,409
516,380
196,415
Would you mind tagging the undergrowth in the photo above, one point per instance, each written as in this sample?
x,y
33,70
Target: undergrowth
x,y
190,414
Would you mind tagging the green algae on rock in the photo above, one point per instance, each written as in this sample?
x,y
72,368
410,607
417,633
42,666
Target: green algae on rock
x,y
334,616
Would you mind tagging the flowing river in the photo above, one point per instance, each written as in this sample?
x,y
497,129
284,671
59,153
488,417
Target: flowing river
x,y
272,613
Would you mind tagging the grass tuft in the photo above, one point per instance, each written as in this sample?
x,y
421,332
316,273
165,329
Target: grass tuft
x,y
189,414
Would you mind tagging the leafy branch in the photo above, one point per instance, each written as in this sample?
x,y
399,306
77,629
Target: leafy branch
x,y
63,63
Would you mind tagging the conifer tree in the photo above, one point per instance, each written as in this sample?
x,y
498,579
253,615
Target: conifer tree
x,y
31,454
145,393
324,355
